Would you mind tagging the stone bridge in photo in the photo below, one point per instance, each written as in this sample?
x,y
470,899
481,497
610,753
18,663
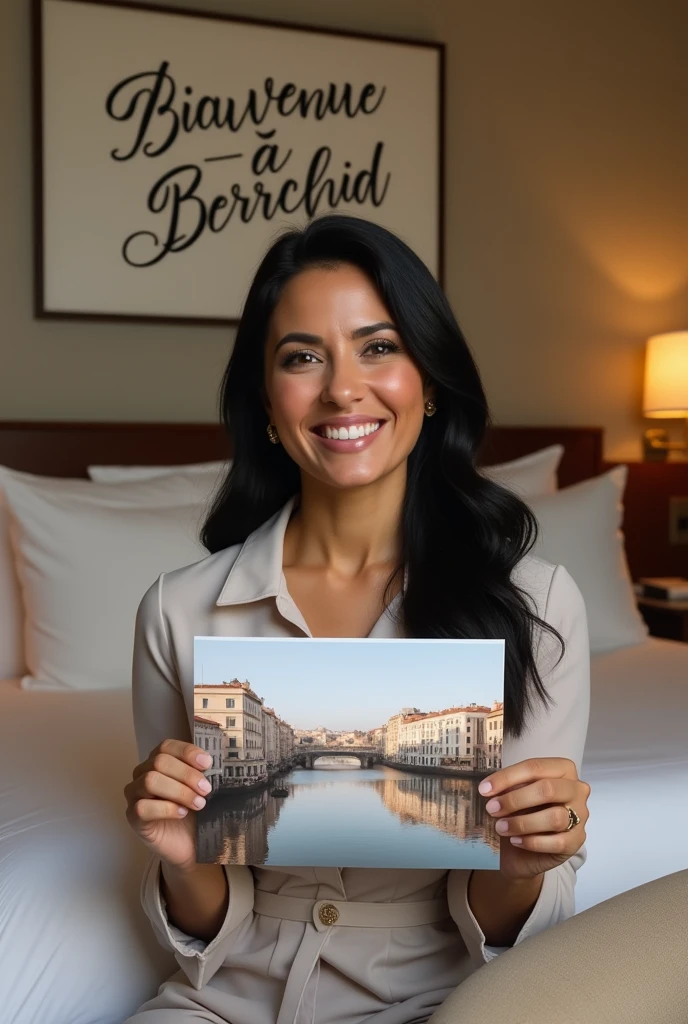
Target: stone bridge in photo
x,y
366,755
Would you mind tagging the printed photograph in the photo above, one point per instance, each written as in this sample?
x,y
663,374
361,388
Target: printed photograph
x,y
348,753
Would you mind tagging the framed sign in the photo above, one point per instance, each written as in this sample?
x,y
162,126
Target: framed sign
x,y
172,148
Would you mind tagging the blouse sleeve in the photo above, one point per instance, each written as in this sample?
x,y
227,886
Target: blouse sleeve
x,y
557,729
160,713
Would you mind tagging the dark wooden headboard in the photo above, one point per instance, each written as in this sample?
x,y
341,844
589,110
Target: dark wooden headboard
x,y
67,448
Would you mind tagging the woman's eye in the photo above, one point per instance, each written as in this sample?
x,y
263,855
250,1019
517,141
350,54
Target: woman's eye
x,y
299,359
381,348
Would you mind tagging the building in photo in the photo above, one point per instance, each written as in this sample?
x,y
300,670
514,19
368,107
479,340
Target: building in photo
x,y
208,735
287,741
271,738
494,735
254,741
239,713
453,738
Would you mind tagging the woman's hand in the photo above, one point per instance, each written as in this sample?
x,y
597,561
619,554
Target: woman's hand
x,y
162,791
530,798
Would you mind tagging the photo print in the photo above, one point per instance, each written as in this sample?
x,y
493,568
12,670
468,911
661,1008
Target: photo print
x,y
348,753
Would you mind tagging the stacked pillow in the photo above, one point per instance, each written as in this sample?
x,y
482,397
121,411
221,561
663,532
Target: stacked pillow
x,y
83,553
580,528
126,474
529,475
79,556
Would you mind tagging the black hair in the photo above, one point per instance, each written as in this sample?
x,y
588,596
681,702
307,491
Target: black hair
x,y
462,534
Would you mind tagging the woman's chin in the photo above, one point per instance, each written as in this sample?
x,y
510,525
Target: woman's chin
x,y
350,478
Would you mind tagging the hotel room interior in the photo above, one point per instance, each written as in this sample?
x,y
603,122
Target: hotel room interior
x,y
565,234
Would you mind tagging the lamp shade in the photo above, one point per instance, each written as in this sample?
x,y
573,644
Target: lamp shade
x,y
666,376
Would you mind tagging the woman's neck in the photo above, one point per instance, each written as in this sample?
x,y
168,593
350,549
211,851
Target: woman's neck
x,y
347,531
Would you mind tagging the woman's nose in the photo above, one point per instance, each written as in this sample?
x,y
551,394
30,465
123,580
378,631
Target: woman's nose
x,y
345,382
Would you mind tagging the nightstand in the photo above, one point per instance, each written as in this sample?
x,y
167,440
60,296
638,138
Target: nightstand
x,y
668,619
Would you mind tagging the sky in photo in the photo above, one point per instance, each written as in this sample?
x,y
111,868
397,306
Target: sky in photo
x,y
354,684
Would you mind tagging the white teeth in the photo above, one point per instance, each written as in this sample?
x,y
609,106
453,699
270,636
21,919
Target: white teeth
x,y
350,433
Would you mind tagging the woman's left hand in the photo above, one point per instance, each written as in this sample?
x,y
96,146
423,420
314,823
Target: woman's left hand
x,y
533,796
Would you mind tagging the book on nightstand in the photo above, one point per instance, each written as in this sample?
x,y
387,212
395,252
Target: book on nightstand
x,y
667,588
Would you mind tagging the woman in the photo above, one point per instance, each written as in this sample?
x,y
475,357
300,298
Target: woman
x,y
354,509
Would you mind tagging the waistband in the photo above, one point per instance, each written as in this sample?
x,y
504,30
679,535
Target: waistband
x,y
325,914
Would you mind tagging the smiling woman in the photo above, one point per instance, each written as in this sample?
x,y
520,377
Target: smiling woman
x,y
354,508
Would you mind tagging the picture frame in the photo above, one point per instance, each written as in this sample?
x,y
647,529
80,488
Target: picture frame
x,y
173,146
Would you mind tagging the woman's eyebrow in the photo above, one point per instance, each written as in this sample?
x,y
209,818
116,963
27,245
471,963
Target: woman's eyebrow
x,y
315,339
383,325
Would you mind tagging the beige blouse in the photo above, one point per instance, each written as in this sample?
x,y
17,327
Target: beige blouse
x,y
402,939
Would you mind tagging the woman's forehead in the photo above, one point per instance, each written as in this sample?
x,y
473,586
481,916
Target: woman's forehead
x,y
344,295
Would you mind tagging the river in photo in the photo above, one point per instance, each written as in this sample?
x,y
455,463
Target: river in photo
x,y
351,817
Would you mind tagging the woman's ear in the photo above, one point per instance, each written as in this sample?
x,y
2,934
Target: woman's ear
x,y
429,391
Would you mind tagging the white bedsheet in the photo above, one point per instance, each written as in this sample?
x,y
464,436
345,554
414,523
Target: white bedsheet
x,y
636,761
75,948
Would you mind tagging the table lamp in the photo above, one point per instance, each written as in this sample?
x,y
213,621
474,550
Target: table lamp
x,y
665,395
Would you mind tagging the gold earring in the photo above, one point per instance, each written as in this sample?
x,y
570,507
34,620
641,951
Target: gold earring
x,y
430,407
272,434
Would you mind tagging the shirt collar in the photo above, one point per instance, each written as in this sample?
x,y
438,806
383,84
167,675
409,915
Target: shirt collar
x,y
257,572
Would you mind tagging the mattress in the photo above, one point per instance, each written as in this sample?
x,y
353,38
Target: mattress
x,y
636,761
75,947
74,944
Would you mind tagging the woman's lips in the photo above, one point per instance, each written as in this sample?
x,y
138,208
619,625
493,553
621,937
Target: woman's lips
x,y
348,443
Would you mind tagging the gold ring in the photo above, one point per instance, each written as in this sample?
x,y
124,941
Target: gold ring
x,y
573,819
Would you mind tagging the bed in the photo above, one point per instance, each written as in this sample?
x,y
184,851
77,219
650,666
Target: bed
x,y
74,944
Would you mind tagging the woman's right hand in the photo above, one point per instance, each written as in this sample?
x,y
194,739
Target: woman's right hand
x,y
162,791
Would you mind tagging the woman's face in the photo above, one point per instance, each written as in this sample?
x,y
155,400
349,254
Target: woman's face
x,y
344,394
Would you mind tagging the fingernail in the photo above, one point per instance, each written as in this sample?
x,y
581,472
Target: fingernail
x,y
492,806
485,787
516,840
199,802
205,760
502,826
204,786
181,811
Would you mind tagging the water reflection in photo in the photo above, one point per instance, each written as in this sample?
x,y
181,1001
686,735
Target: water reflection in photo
x,y
351,817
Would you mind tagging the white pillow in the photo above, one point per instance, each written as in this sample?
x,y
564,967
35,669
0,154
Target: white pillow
x,y
85,553
120,474
531,474
12,662
580,528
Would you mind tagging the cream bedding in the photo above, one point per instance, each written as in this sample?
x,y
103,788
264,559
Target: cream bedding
x,y
75,947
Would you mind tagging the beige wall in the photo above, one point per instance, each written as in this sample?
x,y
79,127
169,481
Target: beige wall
x,y
566,214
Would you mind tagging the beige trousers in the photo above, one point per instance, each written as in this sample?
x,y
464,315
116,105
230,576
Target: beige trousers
x,y
624,961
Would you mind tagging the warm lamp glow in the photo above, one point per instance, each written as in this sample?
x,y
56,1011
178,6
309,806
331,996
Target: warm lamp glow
x,y
666,376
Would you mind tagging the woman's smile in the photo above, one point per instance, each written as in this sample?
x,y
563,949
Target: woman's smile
x,y
348,433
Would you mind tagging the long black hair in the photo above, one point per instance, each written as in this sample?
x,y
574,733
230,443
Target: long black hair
x,y
462,533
